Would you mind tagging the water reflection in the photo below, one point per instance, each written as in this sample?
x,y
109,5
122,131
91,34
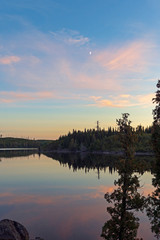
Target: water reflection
x,y
125,200
16,153
86,161
153,208
99,162
55,202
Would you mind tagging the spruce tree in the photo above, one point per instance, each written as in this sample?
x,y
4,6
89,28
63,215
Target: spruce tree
x,y
127,136
156,122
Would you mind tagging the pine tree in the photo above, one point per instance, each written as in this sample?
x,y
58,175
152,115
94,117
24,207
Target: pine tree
x,y
127,136
156,122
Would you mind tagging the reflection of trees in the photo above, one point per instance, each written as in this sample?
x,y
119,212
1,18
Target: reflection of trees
x,y
153,209
126,199
16,153
98,162
85,162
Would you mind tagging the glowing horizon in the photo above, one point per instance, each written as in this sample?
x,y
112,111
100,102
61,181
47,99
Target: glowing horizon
x,y
64,66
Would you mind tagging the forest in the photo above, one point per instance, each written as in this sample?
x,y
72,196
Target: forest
x,y
124,138
100,140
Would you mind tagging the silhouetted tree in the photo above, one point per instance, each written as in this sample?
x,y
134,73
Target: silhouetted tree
x,y
123,224
153,208
127,136
156,122
125,199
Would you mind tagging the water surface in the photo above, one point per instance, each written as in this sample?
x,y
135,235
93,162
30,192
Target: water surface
x,y
55,199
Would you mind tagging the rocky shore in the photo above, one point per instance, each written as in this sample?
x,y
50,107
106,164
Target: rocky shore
x,y
12,230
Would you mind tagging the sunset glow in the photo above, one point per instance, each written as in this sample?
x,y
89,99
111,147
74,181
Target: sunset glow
x,y
65,65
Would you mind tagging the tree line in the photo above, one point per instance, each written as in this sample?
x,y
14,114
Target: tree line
x,y
100,140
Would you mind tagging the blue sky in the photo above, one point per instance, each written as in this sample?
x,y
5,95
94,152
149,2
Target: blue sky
x,y
66,64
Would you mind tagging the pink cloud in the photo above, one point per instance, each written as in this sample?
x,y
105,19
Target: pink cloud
x,y
110,68
8,97
86,78
9,60
69,69
145,99
125,95
123,100
129,58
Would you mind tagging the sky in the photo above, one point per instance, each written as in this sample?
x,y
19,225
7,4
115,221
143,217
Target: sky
x,y
66,64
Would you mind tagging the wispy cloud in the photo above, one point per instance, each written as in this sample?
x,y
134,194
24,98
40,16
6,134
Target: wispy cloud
x,y
9,97
60,62
70,37
125,100
79,40
131,57
9,60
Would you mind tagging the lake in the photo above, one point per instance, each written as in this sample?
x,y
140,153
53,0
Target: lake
x,y
61,197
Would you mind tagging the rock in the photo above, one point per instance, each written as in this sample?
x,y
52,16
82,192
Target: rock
x,y
37,238
11,230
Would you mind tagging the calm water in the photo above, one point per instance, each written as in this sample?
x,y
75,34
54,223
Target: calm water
x,y
59,200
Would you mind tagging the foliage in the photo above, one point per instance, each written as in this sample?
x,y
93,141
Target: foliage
x,y
127,136
101,140
89,140
156,122
125,199
9,142
156,111
88,161
18,143
153,208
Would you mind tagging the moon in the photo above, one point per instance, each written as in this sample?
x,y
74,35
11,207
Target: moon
x,y
90,53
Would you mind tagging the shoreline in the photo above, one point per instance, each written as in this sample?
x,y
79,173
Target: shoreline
x,y
99,152
38,150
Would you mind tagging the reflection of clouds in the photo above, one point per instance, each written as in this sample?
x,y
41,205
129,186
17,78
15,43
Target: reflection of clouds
x,y
16,198
147,190
66,216
11,198
84,217
62,216
144,224
100,191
